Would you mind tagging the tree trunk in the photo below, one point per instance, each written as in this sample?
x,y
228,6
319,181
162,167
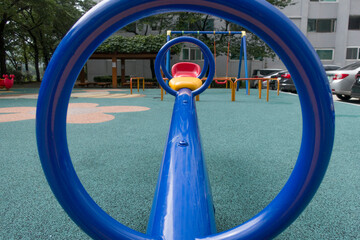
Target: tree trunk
x,y
2,47
26,59
45,51
152,68
26,62
36,56
36,62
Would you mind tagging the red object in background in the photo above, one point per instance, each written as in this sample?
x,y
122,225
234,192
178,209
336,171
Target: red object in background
x,y
287,75
340,76
185,69
7,82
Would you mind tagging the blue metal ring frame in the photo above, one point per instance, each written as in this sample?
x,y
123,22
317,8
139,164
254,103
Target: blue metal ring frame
x,y
258,16
209,62
201,75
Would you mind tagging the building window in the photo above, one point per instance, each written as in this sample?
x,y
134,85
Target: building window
x,y
353,53
155,26
321,25
192,54
185,54
325,54
354,22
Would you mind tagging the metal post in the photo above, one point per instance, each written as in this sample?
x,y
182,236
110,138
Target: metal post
x,y
168,36
240,60
243,40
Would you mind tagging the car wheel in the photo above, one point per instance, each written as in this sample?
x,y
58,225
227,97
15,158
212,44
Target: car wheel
x,y
343,97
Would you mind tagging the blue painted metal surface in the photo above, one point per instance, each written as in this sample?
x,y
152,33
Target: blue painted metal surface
x,y
240,61
245,63
183,195
168,57
256,15
183,207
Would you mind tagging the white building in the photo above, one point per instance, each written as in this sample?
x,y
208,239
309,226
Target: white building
x,y
332,26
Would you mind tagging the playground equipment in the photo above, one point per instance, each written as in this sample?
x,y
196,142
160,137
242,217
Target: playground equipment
x,y
7,82
137,83
219,80
260,82
258,16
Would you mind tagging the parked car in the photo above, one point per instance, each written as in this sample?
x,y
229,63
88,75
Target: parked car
x,y
355,90
286,83
331,67
272,83
342,80
259,73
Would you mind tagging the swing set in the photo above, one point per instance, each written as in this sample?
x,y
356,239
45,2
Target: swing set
x,y
234,81
226,79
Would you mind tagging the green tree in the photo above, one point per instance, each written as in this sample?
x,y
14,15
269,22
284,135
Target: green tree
x,y
40,24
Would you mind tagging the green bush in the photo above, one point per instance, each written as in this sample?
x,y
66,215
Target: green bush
x,y
135,44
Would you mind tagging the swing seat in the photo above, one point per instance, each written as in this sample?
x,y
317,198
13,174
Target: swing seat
x,y
224,79
185,69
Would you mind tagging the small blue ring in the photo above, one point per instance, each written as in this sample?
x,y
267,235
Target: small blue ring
x,y
209,61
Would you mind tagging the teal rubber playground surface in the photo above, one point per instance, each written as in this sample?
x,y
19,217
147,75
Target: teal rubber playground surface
x,y
250,147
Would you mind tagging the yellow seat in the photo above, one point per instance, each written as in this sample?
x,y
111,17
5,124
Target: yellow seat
x,y
192,83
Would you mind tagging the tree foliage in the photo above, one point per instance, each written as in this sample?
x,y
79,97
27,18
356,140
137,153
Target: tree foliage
x,y
135,44
184,21
30,30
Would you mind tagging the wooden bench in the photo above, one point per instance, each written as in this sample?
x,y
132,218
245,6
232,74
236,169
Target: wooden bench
x,y
104,84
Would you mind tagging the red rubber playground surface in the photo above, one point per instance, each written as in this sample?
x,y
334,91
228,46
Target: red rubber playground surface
x,y
116,141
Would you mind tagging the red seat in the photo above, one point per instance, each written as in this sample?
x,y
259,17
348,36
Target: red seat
x,y
185,69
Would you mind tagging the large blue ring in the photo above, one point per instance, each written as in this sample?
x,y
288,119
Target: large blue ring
x,y
257,16
209,61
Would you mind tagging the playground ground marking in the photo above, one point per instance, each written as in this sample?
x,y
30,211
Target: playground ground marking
x,y
81,113
91,93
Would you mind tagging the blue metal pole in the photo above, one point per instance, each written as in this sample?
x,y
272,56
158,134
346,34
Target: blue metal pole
x,y
182,206
240,61
168,52
245,62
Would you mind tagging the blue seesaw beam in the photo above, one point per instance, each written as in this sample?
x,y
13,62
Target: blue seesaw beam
x,y
183,195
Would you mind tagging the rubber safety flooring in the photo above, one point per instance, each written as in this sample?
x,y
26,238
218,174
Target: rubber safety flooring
x,y
116,142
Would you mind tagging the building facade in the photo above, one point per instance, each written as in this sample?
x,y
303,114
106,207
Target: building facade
x,y
332,27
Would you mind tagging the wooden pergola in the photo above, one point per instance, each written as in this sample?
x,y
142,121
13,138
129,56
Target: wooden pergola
x,y
123,56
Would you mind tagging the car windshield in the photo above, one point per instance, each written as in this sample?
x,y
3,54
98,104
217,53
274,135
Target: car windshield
x,y
267,72
351,66
329,68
